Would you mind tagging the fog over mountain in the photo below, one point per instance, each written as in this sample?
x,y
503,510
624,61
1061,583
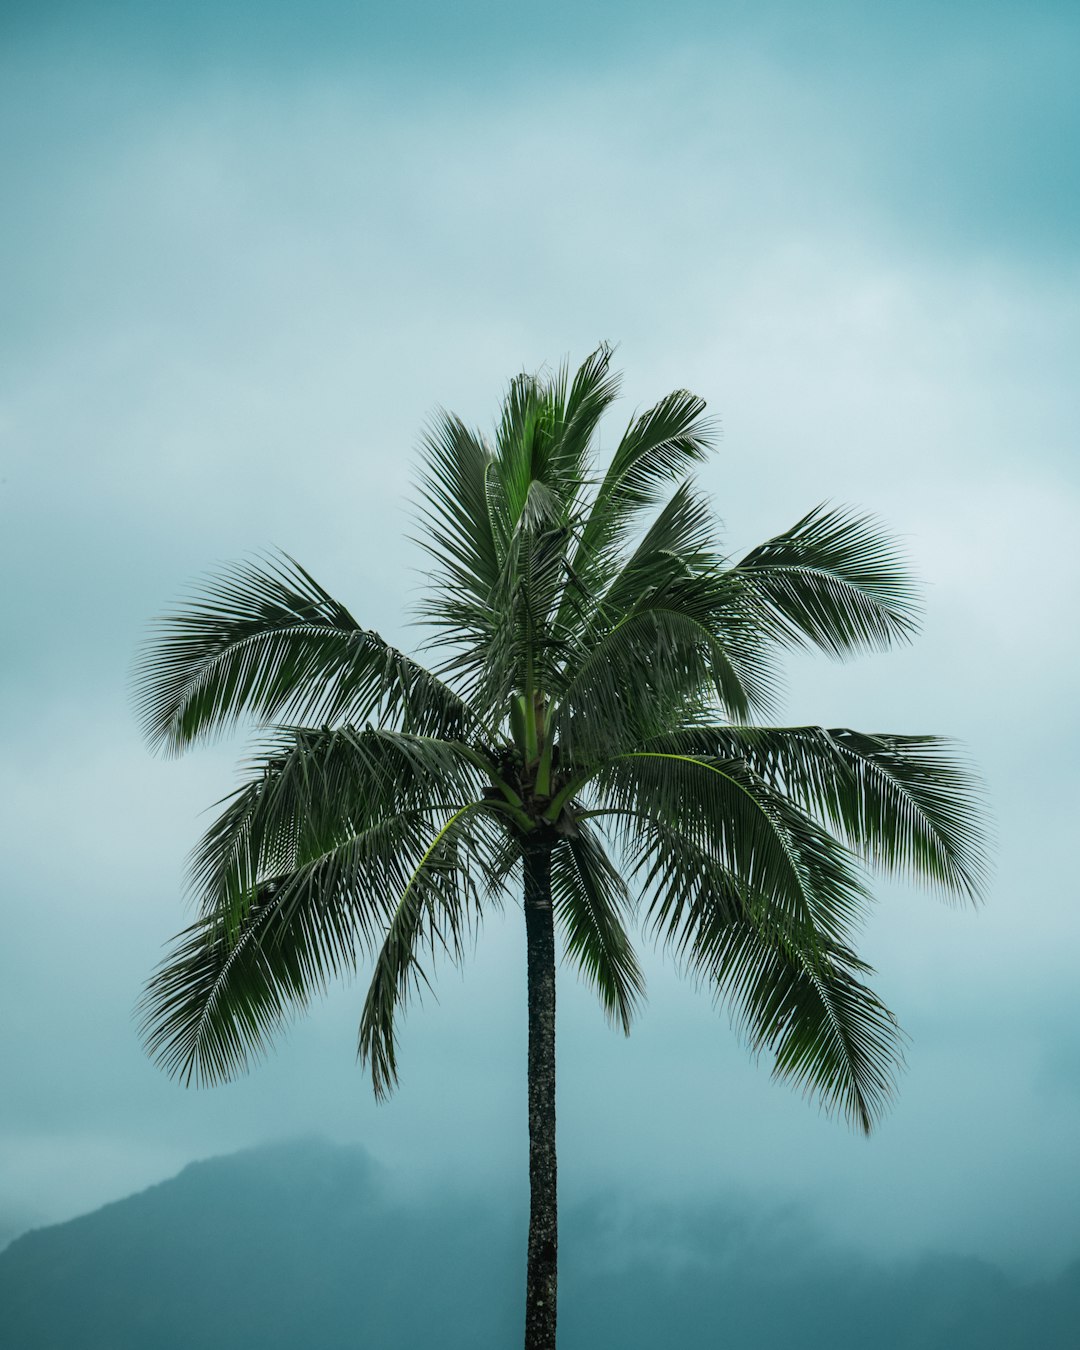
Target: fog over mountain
x,y
310,1244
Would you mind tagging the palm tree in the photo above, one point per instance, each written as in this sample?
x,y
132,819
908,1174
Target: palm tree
x,y
591,738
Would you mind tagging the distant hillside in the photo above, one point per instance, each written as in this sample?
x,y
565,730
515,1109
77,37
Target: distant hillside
x,y
302,1247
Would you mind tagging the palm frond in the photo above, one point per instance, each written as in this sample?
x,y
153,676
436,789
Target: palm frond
x,y
213,1006
830,1033
788,867
592,905
437,905
546,429
594,388
312,791
466,521
791,986
835,580
908,804
233,980
639,680
492,612
516,652
266,640
680,542
669,630
658,448
523,441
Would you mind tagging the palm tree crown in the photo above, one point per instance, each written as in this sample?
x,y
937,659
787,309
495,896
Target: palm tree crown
x,y
592,725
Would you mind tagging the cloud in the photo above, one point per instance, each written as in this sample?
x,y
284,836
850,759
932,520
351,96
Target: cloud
x,y
305,1240
236,293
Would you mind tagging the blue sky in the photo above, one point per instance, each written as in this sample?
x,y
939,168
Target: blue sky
x,y
245,253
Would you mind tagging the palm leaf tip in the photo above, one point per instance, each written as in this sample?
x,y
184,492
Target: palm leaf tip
x,y
592,905
851,1065
829,1033
439,899
836,580
907,804
180,1016
264,640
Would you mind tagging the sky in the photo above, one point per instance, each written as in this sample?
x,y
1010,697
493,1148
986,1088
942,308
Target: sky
x,y
246,250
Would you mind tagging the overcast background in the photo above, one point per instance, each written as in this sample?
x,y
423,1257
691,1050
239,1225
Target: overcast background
x,y
245,253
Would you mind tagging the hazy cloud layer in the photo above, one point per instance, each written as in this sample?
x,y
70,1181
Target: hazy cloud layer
x,y
242,265
307,1244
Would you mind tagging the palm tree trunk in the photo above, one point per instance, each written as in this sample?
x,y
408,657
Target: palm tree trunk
x,y
542,1270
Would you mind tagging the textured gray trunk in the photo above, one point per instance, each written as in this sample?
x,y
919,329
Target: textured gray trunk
x,y
542,1271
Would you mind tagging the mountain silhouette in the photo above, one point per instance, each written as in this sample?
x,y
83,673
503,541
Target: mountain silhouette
x,y
306,1246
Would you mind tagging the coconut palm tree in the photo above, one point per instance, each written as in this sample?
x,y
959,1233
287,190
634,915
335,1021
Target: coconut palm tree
x,y
590,736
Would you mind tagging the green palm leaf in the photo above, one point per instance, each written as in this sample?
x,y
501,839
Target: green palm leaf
x,y
658,449
790,868
217,1000
593,905
830,1034
908,804
232,981
464,515
311,792
439,900
834,581
268,641
790,987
